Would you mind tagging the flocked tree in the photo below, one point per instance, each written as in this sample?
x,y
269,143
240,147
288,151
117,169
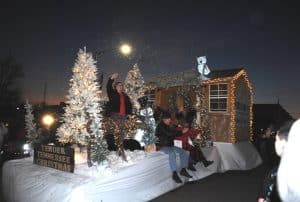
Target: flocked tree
x,y
134,85
82,118
30,125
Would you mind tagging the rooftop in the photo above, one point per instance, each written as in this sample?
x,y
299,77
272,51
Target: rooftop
x,y
189,77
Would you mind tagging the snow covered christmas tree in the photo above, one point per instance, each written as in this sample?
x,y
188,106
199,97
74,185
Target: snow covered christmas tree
x,y
82,118
134,85
30,125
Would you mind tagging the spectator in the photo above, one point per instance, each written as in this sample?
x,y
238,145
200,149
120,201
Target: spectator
x,y
269,191
267,150
289,167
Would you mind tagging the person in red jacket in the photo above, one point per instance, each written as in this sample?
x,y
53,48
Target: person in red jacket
x,y
196,154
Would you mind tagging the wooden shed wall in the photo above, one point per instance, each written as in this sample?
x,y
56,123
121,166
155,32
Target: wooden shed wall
x,y
219,121
242,110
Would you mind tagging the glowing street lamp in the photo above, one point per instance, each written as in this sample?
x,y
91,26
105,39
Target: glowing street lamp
x,y
48,120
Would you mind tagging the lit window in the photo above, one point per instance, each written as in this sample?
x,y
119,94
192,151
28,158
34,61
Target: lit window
x,y
218,97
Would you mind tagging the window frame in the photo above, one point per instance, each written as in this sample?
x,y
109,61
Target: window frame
x,y
218,96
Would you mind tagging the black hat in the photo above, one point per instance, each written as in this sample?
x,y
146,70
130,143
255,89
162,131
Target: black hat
x,y
166,115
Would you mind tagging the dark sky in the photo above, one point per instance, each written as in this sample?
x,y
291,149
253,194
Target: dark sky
x,y
261,36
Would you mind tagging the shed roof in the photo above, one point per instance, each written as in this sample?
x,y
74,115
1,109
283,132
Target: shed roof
x,y
189,77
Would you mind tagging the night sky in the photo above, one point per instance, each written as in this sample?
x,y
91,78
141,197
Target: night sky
x,y
261,36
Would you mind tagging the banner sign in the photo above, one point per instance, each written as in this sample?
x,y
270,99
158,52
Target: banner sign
x,y
60,158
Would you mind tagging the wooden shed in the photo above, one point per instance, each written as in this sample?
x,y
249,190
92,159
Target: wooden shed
x,y
227,96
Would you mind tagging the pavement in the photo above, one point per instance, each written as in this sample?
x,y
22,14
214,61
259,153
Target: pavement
x,y
231,186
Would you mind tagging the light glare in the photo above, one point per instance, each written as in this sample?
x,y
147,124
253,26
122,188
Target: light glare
x,y
125,49
48,120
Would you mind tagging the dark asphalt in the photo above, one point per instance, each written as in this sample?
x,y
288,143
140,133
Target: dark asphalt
x,y
232,186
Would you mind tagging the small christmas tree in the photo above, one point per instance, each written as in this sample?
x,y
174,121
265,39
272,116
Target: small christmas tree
x,y
82,118
99,149
30,125
134,85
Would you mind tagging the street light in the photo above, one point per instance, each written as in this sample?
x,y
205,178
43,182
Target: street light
x,y
48,120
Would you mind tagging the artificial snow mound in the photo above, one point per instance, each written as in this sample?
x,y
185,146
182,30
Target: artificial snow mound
x,y
143,177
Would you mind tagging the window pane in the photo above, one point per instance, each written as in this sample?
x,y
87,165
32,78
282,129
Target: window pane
x,y
214,100
222,100
223,92
213,87
223,106
223,86
213,106
213,92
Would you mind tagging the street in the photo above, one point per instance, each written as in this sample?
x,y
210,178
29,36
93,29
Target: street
x,y
232,186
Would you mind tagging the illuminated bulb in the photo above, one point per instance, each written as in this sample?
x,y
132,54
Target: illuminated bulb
x,y
48,120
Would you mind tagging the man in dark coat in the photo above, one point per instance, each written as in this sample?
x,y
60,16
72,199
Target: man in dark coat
x,y
166,135
269,189
120,107
119,102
